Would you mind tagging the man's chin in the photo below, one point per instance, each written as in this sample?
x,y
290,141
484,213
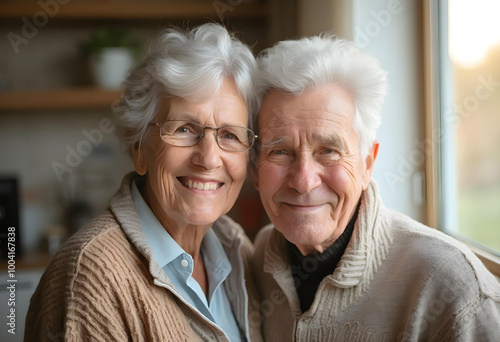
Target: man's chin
x,y
301,239
307,236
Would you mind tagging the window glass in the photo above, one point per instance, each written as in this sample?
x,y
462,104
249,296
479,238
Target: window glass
x,y
470,120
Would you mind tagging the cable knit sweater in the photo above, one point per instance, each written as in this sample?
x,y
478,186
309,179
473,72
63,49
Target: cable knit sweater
x,y
103,285
397,281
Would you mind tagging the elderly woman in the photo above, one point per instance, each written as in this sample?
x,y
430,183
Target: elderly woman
x,y
163,263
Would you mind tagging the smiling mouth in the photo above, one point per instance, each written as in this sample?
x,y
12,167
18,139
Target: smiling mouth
x,y
303,207
207,186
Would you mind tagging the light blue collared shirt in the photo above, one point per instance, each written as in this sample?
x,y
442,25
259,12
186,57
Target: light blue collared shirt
x,y
178,265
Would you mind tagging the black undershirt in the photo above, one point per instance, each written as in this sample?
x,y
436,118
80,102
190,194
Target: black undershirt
x,y
308,271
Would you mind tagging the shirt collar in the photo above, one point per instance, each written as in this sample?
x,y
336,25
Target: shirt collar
x,y
156,236
216,262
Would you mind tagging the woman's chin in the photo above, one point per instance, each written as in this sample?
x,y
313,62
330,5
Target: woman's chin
x,y
200,219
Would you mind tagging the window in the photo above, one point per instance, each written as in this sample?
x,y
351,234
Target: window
x,y
464,50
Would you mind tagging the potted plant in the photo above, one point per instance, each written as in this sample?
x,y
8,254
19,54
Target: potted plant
x,y
111,54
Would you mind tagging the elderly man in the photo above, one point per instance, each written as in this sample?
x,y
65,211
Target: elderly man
x,y
335,264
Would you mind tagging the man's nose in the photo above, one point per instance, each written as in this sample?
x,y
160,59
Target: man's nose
x,y
304,174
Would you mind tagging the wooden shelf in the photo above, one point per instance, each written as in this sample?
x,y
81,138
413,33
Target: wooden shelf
x,y
71,98
135,9
87,98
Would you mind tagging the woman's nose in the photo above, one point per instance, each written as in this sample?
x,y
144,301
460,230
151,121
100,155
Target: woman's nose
x,y
207,152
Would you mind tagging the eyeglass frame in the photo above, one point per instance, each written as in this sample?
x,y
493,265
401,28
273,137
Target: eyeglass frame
x,y
159,125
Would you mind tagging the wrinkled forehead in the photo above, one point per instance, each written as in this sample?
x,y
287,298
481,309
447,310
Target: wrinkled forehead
x,y
331,107
315,103
323,116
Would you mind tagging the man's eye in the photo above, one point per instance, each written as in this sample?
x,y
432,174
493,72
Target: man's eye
x,y
329,154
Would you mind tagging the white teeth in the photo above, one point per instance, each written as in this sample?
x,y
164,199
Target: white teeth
x,y
201,186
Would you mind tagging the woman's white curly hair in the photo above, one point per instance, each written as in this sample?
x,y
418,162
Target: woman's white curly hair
x,y
187,64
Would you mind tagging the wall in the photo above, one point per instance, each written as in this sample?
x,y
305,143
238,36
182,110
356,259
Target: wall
x,y
43,151
389,30
48,150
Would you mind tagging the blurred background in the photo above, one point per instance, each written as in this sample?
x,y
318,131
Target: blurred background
x,y
60,161
57,87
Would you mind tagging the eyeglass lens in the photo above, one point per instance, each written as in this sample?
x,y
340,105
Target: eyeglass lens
x,y
186,133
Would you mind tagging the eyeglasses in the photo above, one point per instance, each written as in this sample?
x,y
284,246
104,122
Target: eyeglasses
x,y
187,133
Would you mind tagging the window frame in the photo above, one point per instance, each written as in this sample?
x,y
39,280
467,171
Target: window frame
x,y
432,95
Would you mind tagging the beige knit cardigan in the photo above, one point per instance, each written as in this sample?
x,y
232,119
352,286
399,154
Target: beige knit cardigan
x,y
397,281
103,285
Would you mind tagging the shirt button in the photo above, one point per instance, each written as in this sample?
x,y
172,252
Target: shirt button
x,y
184,263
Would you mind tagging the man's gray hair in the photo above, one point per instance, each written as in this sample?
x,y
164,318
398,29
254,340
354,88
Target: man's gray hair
x,y
296,65
187,64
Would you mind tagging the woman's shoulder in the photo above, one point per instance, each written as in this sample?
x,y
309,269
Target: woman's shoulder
x,y
95,243
91,233
80,255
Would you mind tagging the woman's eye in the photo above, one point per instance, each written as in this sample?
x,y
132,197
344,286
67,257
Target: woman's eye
x,y
229,136
185,130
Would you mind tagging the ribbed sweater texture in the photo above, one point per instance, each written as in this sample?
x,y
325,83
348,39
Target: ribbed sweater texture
x,y
102,285
397,280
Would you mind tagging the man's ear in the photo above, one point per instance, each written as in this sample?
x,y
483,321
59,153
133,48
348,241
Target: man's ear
x,y
369,163
138,158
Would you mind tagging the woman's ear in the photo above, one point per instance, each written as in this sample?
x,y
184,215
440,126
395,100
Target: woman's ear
x,y
138,158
